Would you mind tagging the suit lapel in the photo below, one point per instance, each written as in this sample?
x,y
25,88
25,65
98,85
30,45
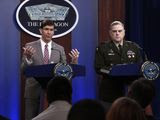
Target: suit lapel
x,y
125,46
54,55
114,47
51,57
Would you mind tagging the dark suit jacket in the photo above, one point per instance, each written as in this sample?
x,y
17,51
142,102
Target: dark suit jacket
x,y
32,87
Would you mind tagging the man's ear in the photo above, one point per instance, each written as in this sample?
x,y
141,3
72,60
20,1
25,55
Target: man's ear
x,y
40,30
124,32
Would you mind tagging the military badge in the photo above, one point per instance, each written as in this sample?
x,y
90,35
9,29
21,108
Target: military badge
x,y
130,54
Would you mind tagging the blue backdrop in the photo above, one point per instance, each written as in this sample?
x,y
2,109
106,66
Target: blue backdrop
x,y
9,61
85,38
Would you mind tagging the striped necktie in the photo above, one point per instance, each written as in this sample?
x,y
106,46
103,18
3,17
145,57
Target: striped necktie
x,y
46,55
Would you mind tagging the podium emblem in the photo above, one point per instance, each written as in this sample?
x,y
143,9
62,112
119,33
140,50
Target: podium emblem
x,y
150,70
62,69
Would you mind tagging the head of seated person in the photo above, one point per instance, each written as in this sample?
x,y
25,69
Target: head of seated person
x,y
125,108
87,109
59,88
142,91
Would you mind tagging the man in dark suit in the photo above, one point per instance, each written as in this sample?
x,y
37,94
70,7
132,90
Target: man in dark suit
x,y
116,51
42,51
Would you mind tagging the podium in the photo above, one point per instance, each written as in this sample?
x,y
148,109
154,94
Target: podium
x,y
149,70
44,73
126,70
133,71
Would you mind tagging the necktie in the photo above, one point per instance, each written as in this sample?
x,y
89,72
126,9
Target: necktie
x,y
43,101
46,55
120,48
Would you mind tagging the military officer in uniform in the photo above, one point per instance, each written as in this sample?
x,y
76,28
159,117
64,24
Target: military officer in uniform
x,y
116,51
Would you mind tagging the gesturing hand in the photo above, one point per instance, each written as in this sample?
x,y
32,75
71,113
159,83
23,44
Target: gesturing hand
x,y
28,51
74,54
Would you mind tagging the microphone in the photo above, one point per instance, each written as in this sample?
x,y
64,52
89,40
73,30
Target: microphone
x,y
56,50
143,53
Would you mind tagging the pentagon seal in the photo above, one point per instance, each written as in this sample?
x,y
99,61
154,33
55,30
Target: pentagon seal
x,y
150,70
62,69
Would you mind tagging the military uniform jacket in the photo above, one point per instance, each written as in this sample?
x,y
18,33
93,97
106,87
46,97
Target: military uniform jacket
x,y
108,54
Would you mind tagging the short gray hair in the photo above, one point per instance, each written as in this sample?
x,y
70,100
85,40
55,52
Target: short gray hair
x,y
116,23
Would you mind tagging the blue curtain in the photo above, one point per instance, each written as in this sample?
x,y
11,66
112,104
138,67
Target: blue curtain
x,y
142,23
85,39
9,61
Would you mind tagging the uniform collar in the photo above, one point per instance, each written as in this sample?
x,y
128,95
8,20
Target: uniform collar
x,y
117,44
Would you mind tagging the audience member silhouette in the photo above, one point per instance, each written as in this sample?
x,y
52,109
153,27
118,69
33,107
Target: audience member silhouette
x,y
142,91
59,94
87,110
125,108
3,118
